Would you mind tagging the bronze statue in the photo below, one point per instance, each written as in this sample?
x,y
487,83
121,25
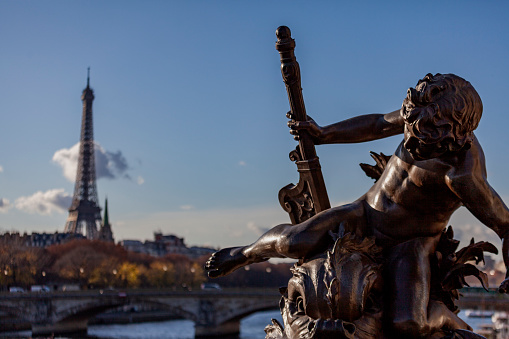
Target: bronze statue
x,y
381,266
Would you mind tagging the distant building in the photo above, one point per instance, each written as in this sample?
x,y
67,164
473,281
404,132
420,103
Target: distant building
x,y
170,244
39,239
49,239
133,246
163,245
196,252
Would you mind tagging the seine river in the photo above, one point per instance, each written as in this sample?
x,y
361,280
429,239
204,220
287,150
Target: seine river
x,y
251,328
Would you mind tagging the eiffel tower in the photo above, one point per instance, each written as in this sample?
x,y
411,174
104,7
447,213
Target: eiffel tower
x,y
85,213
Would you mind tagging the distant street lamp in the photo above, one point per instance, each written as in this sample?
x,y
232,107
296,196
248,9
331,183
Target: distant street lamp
x,y
6,273
14,266
82,270
193,270
114,280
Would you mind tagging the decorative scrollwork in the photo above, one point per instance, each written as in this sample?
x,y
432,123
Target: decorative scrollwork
x,y
295,154
297,201
290,72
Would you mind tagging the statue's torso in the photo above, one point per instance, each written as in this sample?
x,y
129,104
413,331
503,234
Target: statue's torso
x,y
411,198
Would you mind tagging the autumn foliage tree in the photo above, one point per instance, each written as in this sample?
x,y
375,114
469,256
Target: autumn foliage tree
x,y
129,275
20,265
161,274
78,263
97,264
105,274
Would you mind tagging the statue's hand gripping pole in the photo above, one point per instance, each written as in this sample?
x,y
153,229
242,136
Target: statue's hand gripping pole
x,y
309,196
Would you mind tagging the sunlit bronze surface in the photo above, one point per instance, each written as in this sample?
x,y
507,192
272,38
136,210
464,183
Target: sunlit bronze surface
x,y
386,265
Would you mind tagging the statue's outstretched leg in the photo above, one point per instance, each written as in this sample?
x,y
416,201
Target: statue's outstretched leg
x,y
226,261
407,275
289,241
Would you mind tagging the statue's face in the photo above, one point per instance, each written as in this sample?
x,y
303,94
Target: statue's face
x,y
425,131
418,148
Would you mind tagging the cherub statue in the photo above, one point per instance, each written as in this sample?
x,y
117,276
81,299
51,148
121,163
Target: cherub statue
x,y
437,168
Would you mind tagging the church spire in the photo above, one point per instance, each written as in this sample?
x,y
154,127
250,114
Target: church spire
x,y
106,234
106,220
88,77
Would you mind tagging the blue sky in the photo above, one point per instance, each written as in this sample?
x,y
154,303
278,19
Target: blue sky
x,y
190,105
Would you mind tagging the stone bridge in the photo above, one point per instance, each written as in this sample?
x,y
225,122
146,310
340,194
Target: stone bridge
x,y
478,299
214,313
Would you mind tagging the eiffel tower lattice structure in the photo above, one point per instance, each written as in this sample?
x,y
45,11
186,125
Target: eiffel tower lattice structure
x,y
85,213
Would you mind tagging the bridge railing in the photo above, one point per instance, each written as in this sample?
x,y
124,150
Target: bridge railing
x,y
139,292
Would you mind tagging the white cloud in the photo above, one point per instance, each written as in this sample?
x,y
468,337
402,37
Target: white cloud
x,y
140,180
1,169
4,205
68,160
186,207
45,203
258,230
236,234
242,163
108,164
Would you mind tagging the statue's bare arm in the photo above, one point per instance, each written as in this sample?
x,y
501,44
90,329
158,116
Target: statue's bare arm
x,y
358,129
469,183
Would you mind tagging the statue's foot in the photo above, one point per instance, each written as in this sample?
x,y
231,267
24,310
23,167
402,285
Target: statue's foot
x,y
225,261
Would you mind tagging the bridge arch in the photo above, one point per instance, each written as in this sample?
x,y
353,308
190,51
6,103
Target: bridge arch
x,y
175,310
92,311
86,308
61,315
64,313
14,312
248,313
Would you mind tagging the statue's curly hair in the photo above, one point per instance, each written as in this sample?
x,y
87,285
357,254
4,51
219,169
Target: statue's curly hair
x,y
443,109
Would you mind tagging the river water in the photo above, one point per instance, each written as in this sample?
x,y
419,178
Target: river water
x,y
250,328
